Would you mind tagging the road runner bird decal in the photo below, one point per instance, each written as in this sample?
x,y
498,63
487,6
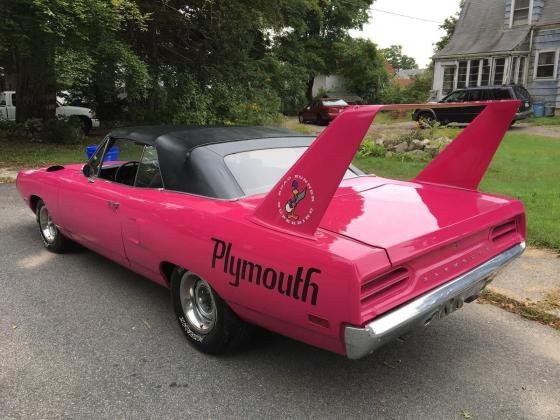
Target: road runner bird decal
x,y
294,200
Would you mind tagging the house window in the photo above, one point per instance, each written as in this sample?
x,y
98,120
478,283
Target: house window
x,y
520,75
473,74
448,79
513,64
462,74
545,64
521,12
517,73
485,76
499,67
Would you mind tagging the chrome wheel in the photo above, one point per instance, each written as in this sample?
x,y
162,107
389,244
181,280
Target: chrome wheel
x,y
197,301
48,229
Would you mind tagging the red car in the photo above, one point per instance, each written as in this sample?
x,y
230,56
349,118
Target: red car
x,y
322,111
258,226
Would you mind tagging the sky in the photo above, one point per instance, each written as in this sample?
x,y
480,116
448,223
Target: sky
x,y
416,35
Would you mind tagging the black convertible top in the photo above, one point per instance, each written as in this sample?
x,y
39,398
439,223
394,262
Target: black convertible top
x,y
191,157
189,136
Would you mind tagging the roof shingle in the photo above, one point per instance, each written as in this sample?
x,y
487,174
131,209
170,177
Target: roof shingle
x,y
481,29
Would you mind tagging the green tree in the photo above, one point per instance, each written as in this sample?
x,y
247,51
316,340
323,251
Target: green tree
x,y
193,61
201,46
33,33
448,26
361,65
310,43
417,92
398,60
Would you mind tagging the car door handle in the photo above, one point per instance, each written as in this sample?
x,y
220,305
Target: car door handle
x,y
113,205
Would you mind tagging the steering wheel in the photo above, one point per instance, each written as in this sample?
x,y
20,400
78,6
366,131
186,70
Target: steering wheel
x,y
119,172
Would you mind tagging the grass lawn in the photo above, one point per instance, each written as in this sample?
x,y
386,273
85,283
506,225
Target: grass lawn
x,y
26,155
544,120
525,167
391,117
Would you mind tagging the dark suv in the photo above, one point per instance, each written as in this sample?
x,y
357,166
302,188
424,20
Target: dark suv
x,y
480,93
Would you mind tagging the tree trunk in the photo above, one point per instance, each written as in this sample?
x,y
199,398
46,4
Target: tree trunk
x,y
154,99
36,80
309,91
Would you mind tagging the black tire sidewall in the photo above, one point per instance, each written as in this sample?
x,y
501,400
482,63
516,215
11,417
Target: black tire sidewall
x,y
58,245
214,342
426,119
427,116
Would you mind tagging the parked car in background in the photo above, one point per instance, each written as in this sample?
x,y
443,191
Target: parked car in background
x,y
473,94
86,116
322,111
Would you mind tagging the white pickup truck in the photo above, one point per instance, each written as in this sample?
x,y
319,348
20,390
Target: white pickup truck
x,y
86,115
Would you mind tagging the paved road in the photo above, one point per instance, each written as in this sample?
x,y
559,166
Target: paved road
x,y
82,337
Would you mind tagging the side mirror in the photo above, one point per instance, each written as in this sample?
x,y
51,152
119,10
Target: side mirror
x,y
87,170
308,107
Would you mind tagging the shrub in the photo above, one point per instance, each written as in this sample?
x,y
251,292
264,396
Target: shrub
x,y
370,149
184,100
62,131
411,135
57,131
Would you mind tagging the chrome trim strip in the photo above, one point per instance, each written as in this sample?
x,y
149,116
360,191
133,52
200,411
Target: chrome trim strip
x,y
421,311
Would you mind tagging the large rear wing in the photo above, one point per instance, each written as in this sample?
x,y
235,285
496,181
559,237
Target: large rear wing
x,y
297,203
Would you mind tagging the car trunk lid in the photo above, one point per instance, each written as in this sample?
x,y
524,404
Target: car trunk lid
x,y
407,219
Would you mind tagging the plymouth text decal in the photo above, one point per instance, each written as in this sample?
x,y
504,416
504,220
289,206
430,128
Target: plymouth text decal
x,y
297,286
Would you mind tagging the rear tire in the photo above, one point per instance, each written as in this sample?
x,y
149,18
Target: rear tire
x,y
207,321
425,119
53,240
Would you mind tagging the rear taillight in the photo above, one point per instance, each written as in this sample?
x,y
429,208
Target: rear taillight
x,y
503,231
385,285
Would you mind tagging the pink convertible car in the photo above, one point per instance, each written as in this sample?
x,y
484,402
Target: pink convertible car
x,y
264,226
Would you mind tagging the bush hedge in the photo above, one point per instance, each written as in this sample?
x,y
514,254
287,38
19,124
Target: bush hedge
x,y
57,131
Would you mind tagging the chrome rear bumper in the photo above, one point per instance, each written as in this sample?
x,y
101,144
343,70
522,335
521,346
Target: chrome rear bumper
x,y
422,310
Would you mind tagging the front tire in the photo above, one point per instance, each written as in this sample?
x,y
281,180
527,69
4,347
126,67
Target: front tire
x,y
300,118
53,240
207,321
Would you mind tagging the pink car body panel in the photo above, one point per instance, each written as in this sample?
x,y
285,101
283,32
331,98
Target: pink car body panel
x,y
308,272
